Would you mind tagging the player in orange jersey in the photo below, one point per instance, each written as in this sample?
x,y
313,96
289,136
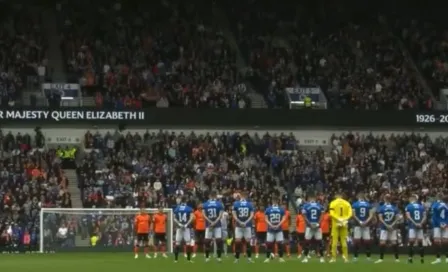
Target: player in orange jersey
x,y
261,229
300,233
325,227
142,225
199,229
285,229
160,232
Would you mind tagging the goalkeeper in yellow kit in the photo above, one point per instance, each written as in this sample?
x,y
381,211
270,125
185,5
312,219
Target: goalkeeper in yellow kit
x,y
340,213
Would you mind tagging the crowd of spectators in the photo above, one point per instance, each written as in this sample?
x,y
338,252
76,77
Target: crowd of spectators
x,y
30,178
164,53
22,51
352,55
179,54
424,35
153,168
134,170
400,165
124,170
65,230
156,169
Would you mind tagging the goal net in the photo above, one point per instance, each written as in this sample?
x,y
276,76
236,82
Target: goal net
x,y
93,230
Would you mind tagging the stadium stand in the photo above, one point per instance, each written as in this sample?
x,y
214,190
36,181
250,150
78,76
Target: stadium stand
x,y
370,163
116,175
178,54
182,60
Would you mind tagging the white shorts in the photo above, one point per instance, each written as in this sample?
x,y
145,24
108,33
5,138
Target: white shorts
x,y
361,233
183,235
439,233
388,235
311,233
213,233
274,236
245,233
415,234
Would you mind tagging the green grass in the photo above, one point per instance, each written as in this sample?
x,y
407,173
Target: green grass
x,y
119,262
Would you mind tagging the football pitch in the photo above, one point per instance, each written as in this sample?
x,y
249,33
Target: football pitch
x,y
120,262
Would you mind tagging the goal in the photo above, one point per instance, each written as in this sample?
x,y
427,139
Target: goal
x,y
93,230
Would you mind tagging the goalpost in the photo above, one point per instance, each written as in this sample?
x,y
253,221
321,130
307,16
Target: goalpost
x,y
93,230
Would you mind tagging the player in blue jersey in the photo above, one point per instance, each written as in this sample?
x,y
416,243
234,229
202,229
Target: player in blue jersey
x,y
183,217
243,213
212,211
274,216
416,218
313,213
388,215
439,218
363,213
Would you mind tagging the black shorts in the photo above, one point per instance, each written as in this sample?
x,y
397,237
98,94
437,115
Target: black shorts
x,y
286,235
300,236
261,236
325,236
200,235
159,238
143,237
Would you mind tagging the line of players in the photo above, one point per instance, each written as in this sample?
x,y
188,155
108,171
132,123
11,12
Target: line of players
x,y
362,212
389,217
242,214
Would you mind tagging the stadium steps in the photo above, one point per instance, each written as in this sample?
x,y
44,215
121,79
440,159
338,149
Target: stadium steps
x,y
221,18
55,56
73,188
70,173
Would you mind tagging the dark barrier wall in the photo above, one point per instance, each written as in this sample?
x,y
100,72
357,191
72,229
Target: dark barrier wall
x,y
227,118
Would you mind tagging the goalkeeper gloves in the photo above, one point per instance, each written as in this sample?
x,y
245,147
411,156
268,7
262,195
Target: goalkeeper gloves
x,y
342,223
